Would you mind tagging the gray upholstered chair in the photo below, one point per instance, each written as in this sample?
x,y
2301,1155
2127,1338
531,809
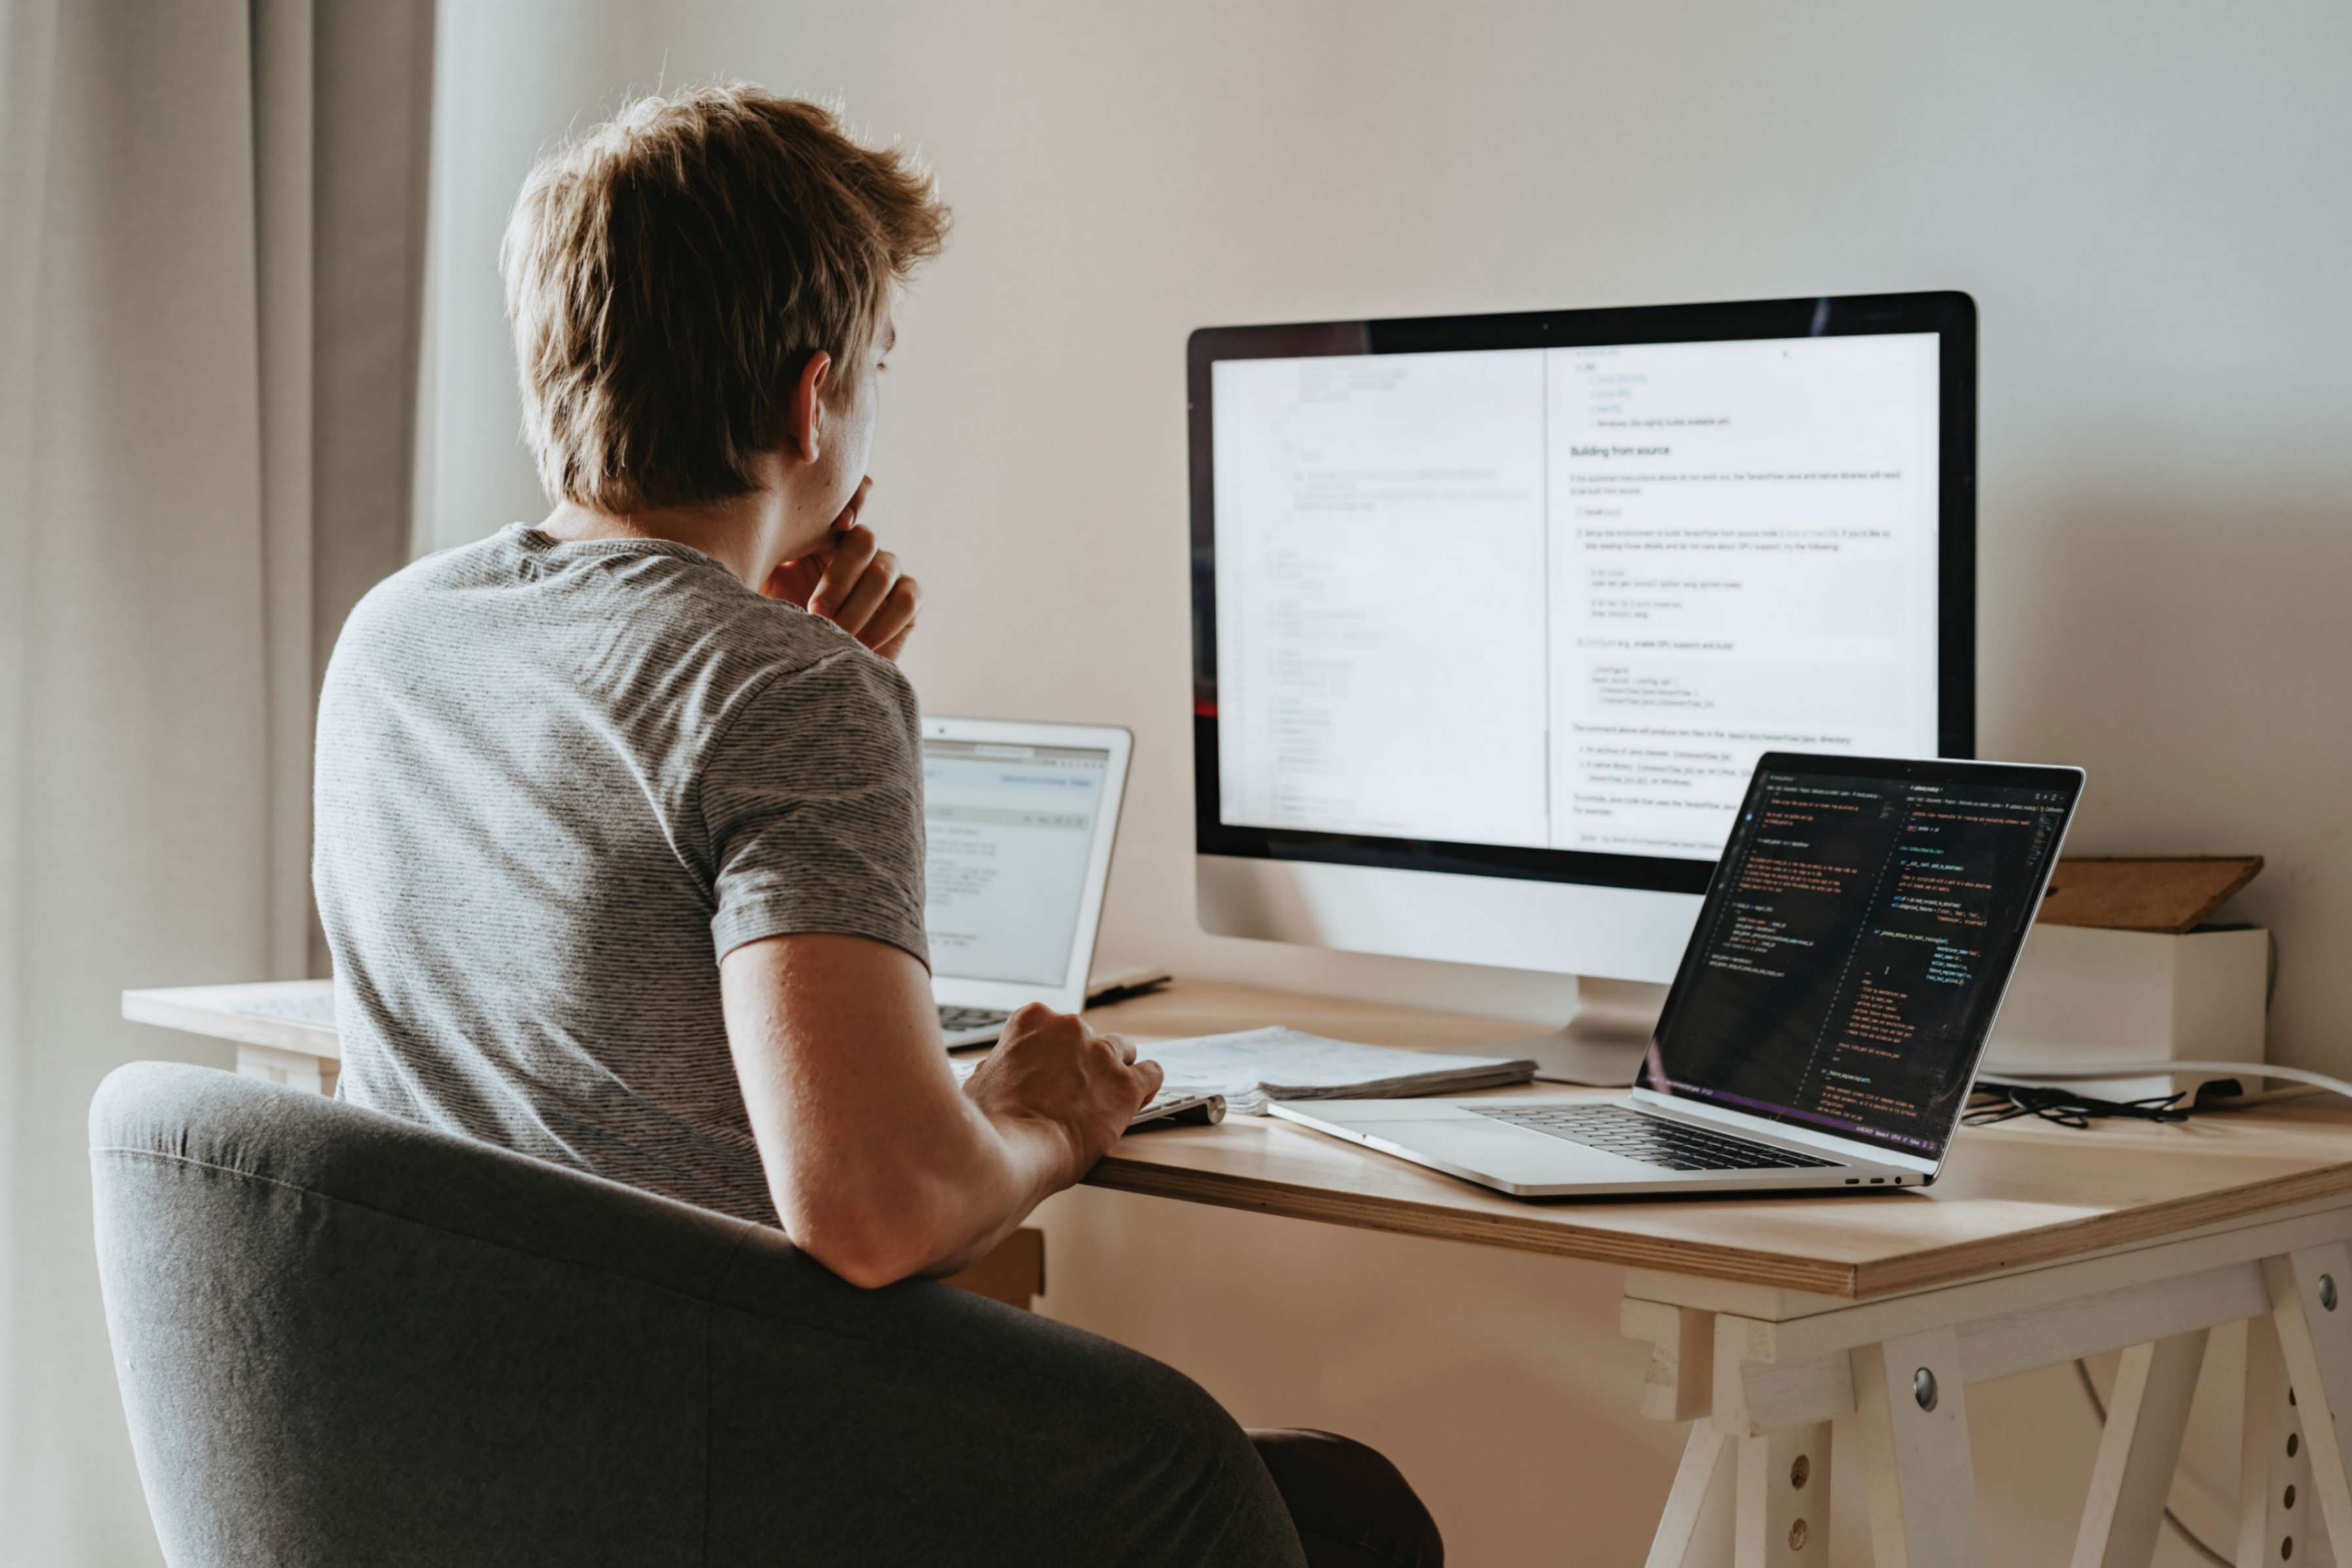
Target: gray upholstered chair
x,y
344,1339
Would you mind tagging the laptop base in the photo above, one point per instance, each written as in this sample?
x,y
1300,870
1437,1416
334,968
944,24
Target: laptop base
x,y
1450,1137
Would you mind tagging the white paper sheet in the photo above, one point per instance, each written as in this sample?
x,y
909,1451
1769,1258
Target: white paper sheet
x,y
1254,1066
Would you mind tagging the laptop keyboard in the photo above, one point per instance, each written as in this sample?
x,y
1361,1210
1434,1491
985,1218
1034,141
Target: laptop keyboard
x,y
1652,1140
955,1021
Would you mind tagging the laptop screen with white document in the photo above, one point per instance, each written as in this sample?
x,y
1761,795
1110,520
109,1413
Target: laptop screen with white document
x,y
1855,943
1012,833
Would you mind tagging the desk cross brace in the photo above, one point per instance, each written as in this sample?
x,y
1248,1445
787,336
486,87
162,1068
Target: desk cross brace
x,y
1763,1395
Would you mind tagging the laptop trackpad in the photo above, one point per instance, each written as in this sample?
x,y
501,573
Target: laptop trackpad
x,y
1514,1153
1365,1112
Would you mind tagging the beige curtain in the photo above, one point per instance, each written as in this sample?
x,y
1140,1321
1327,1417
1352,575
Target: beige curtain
x,y
210,265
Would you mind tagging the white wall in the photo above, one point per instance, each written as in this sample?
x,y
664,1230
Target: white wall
x,y
2147,202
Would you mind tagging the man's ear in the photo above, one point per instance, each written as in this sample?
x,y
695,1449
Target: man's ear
x,y
805,410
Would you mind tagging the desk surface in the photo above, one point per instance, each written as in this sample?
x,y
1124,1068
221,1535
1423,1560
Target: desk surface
x,y
2010,1198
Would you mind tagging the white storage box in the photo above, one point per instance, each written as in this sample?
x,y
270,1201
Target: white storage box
x,y
2084,995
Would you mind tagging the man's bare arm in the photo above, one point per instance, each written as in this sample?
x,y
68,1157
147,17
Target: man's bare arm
x,y
881,1168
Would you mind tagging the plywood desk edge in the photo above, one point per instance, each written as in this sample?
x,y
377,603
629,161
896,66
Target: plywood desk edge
x,y
209,1010
1540,1230
2121,1232
1550,1230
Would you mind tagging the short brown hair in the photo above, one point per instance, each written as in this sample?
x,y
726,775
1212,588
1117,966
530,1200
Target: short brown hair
x,y
669,273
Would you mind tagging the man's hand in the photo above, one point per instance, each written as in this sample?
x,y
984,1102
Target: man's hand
x,y
1050,1068
853,582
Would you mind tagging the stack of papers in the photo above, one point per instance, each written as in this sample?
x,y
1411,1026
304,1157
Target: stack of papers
x,y
1259,1065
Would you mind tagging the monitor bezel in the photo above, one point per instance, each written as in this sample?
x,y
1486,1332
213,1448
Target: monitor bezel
x,y
1951,315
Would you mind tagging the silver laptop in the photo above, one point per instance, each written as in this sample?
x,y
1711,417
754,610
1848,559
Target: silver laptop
x,y
1826,1024
1021,819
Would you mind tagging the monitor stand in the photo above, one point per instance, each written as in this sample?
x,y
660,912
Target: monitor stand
x,y
1601,1044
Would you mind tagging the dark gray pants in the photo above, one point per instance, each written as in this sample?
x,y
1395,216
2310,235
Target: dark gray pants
x,y
346,1339
1350,1506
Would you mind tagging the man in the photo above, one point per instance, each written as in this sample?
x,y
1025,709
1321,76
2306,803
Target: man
x,y
620,838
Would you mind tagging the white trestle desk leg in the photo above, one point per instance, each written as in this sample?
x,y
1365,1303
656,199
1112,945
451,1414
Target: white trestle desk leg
x,y
1695,1529
2274,1513
2311,1306
1911,1399
292,1068
2147,1416
1783,1516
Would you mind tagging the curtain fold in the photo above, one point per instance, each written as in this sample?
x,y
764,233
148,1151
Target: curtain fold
x,y
27,50
285,118
208,321
374,82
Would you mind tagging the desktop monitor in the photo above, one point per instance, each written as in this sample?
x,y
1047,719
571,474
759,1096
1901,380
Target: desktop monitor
x,y
1492,615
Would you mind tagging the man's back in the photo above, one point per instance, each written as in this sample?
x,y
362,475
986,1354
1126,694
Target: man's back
x,y
556,782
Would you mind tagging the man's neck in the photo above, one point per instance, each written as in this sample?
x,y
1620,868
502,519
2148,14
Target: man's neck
x,y
750,535
736,534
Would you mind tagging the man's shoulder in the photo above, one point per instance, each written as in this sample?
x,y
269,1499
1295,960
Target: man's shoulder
x,y
691,632
658,600
793,666
740,642
664,641
424,581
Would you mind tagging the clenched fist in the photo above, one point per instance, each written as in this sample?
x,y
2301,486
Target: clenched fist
x,y
1049,1067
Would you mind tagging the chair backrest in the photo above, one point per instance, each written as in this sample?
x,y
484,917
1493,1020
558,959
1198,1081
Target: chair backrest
x,y
344,1338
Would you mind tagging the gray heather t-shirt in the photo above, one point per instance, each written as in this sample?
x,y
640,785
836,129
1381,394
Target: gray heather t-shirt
x,y
556,783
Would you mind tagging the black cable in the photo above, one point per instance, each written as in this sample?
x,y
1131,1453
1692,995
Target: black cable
x,y
1993,1101
2196,1541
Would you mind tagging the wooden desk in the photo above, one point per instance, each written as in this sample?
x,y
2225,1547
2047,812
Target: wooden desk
x,y
1771,1320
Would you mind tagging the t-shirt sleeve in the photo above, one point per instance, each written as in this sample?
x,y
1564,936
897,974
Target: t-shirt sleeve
x,y
813,802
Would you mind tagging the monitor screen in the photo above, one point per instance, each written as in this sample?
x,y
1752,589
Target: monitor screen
x,y
1010,831
1553,598
1855,943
